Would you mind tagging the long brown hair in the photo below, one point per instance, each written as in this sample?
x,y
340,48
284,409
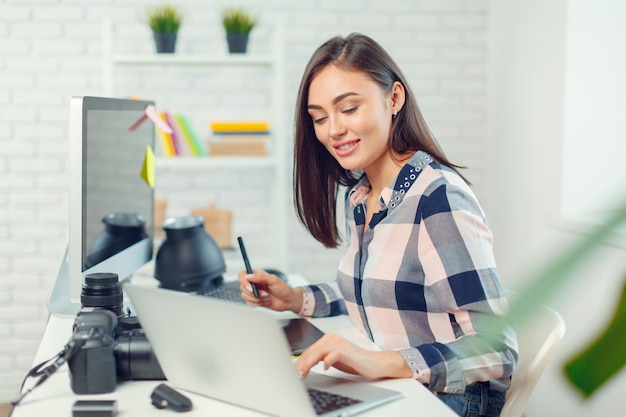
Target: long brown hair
x,y
317,175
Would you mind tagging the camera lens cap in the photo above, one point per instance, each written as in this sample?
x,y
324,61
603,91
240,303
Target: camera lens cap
x,y
164,396
128,323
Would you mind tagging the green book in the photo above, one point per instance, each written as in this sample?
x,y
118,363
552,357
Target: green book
x,y
194,144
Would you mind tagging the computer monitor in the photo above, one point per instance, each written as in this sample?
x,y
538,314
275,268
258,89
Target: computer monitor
x,y
110,143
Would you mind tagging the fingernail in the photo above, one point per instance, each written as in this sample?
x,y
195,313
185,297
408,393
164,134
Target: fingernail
x,y
300,375
249,287
248,276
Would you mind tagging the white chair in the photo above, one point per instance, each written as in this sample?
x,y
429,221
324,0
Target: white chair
x,y
538,337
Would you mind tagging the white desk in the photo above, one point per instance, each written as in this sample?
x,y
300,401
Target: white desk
x,y
55,397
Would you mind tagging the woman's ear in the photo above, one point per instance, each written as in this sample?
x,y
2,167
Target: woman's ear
x,y
397,97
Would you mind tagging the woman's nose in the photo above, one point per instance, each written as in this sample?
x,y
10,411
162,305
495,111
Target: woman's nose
x,y
336,127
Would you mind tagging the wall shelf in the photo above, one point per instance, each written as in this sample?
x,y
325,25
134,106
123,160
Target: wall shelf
x,y
276,253
192,60
215,161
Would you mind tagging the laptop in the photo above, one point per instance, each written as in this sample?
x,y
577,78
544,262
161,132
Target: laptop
x,y
239,355
300,332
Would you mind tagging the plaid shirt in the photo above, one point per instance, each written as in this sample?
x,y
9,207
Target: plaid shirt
x,y
422,279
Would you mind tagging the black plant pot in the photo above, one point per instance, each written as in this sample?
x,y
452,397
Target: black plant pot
x,y
237,43
165,42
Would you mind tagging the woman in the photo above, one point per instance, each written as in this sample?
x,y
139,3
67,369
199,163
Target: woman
x,y
418,276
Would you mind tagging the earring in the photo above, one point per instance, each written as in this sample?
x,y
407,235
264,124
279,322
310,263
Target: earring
x,y
395,114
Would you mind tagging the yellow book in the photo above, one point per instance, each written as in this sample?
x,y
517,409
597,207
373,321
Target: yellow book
x,y
165,138
240,126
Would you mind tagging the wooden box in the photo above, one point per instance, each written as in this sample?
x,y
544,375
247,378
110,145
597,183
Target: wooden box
x,y
218,224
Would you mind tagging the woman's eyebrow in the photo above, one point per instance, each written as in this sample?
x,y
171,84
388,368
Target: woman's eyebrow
x,y
335,100
342,96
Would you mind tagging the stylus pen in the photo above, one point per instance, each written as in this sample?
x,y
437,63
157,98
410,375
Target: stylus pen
x,y
246,261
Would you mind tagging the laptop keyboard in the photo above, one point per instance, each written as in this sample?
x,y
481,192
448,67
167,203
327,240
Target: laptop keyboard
x,y
324,401
228,291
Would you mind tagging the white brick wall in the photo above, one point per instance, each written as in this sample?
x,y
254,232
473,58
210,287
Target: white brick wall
x,y
51,50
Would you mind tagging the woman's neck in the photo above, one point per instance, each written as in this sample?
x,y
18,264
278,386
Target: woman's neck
x,y
380,175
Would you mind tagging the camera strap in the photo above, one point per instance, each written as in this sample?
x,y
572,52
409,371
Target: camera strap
x,y
48,367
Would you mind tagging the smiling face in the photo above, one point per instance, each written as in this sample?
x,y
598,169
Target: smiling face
x,y
352,117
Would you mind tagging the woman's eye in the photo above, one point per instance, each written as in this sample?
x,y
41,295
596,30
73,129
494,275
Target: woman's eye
x,y
319,120
351,110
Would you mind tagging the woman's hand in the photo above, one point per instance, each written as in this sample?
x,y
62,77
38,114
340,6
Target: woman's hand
x,y
337,352
274,293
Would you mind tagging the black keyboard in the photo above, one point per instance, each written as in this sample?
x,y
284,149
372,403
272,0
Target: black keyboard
x,y
228,291
324,401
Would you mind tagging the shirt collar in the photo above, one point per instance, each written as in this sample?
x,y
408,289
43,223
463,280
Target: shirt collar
x,y
391,197
394,193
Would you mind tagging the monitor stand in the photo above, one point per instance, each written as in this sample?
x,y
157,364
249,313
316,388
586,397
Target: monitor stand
x,y
65,299
60,303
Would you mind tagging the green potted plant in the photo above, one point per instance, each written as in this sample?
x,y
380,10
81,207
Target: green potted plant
x,y
164,21
237,23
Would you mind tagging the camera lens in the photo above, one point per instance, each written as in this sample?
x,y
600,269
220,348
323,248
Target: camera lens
x,y
135,359
102,290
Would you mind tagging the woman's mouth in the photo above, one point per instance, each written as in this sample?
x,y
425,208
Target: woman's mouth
x,y
346,148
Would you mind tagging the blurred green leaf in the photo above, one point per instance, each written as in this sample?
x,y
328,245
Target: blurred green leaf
x,y
604,357
612,344
547,280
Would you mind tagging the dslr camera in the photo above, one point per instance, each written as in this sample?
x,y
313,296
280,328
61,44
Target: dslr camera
x,y
111,345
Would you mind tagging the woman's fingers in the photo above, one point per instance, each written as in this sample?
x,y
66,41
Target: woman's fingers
x,y
273,292
335,351
328,350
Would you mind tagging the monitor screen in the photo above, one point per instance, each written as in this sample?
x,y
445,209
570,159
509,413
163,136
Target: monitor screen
x,y
111,197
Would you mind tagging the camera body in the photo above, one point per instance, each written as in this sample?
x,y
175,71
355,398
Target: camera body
x,y
112,345
93,366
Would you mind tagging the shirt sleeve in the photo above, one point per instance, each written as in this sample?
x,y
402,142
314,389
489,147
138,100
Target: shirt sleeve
x,y
455,251
322,300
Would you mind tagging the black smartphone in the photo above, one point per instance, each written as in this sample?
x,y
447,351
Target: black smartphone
x,y
94,408
300,333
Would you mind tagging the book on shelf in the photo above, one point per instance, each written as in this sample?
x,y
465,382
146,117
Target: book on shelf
x,y
240,137
165,139
182,141
243,138
196,147
177,140
237,149
240,126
